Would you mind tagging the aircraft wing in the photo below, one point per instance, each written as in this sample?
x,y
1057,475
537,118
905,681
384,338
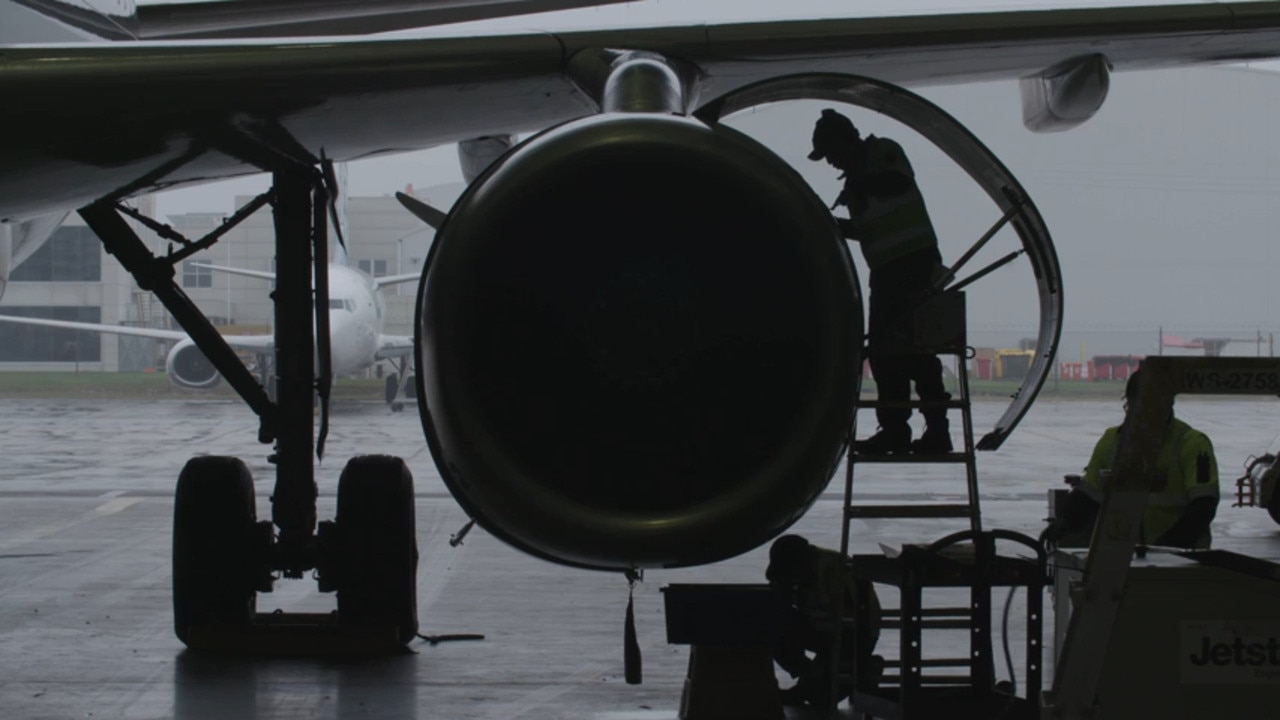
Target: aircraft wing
x,y
280,18
259,274
111,120
379,282
386,280
239,342
390,346
286,18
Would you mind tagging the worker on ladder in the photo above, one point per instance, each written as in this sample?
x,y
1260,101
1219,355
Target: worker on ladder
x,y
1183,501
887,217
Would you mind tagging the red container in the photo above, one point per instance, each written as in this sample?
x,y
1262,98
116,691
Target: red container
x,y
1101,368
984,368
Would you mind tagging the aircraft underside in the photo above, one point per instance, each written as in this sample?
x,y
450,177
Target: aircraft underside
x,y
639,341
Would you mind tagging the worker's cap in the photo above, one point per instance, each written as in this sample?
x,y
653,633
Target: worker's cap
x,y
785,555
831,130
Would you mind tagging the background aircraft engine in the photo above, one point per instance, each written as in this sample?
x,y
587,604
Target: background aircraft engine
x,y
638,344
189,368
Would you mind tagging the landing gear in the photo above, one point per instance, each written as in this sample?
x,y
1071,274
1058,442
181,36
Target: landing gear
x,y
222,556
378,556
400,384
267,374
213,547
393,391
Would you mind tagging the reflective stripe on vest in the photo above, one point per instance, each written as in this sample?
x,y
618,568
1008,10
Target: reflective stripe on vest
x,y
893,225
1175,493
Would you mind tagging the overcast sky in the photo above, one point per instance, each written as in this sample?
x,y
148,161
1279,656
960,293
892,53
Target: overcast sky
x,y
1163,207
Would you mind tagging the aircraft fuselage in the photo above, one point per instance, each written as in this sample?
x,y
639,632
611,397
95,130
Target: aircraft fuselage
x,y
356,314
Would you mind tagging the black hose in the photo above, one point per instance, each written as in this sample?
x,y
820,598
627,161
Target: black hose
x,y
1004,640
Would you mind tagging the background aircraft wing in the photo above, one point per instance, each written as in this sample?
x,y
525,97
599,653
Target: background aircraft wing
x,y
379,282
259,274
239,342
386,280
390,346
215,110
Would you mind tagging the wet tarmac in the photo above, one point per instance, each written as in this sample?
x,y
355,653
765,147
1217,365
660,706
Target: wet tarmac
x,y
85,520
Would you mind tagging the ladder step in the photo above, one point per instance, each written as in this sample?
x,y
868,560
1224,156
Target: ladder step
x,y
909,511
893,681
952,457
934,350
930,624
891,617
929,612
918,404
933,662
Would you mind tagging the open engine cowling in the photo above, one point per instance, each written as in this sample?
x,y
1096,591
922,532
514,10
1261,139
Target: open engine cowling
x,y
189,368
639,341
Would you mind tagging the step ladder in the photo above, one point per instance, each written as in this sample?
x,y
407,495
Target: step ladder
x,y
916,687
939,331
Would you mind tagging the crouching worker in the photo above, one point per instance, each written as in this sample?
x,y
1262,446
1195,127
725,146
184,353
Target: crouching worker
x,y
812,580
1184,497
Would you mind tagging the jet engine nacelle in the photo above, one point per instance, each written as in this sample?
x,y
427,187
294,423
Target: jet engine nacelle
x,y
189,368
639,340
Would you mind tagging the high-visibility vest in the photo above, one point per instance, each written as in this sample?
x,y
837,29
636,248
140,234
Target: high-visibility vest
x,y
891,226
1176,482
819,594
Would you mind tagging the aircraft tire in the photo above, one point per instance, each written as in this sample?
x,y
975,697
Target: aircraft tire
x,y
393,386
378,553
213,520
411,388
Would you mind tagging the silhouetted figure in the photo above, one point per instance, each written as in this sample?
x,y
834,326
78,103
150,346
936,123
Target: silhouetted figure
x,y
1183,501
812,580
887,217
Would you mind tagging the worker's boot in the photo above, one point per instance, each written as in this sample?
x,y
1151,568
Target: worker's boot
x,y
936,439
892,439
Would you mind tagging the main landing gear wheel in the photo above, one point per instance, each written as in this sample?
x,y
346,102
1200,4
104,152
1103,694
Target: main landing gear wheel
x,y
393,392
954,139
378,549
213,557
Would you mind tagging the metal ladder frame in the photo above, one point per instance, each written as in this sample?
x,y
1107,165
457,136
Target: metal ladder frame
x,y
955,345
920,510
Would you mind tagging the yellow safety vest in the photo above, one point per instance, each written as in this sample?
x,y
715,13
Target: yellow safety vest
x,y
892,226
1176,483
820,595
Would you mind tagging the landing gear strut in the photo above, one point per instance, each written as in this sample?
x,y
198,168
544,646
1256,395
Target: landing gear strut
x,y
399,384
222,555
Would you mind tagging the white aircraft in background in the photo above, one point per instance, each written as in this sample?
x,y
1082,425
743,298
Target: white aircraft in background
x,y
356,315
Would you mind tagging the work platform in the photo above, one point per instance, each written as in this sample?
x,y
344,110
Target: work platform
x,y
86,620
